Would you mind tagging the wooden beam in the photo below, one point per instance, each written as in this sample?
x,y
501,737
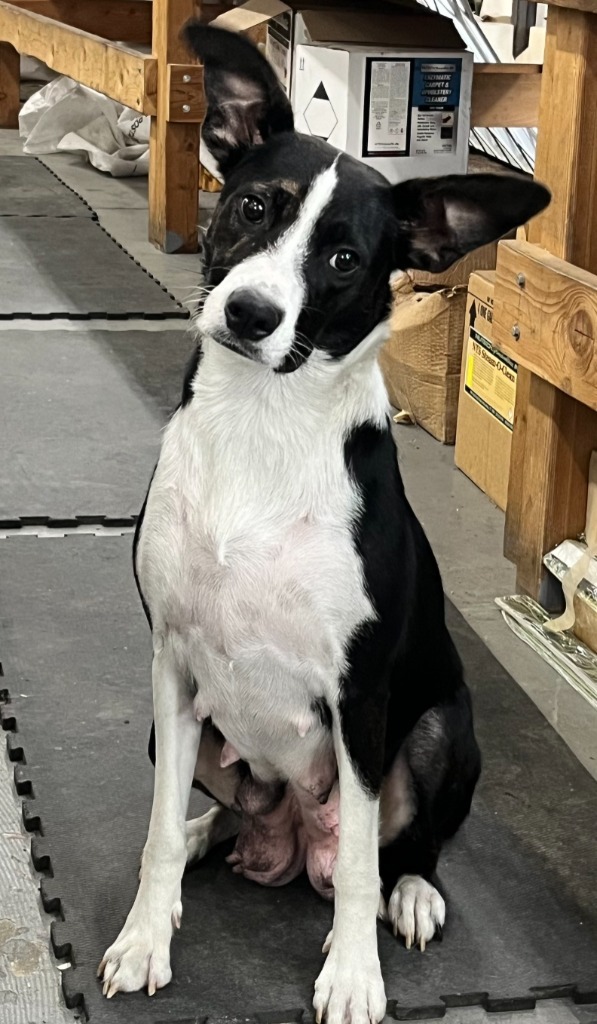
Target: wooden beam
x,y
553,433
549,481
174,147
505,95
567,140
588,6
545,317
123,74
125,20
10,83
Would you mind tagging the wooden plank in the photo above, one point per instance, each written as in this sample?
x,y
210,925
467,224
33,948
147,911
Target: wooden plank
x,y
174,147
553,476
567,140
207,182
589,6
553,433
123,74
545,317
126,20
10,83
502,100
513,528
506,69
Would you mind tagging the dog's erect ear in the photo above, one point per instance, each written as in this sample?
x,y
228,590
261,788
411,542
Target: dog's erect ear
x,y
245,101
441,219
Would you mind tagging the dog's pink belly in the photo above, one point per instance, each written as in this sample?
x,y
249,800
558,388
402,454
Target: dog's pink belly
x,y
275,846
271,846
284,828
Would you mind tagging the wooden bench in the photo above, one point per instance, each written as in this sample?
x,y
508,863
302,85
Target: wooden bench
x,y
545,312
79,38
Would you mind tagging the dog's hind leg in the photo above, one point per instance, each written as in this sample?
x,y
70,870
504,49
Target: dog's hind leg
x,y
140,956
426,796
213,827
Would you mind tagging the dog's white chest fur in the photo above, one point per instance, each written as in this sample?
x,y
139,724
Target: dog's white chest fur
x,y
247,555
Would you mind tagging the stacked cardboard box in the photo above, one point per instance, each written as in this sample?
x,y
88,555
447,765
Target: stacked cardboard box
x,y
487,397
422,359
390,85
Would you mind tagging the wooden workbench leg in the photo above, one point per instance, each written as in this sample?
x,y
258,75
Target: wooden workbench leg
x,y
10,83
174,146
548,477
553,434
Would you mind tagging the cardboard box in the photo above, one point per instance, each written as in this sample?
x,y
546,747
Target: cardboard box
x,y
484,258
390,85
487,397
403,111
421,360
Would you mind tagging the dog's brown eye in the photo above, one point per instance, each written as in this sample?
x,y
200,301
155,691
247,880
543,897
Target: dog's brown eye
x,y
345,261
253,209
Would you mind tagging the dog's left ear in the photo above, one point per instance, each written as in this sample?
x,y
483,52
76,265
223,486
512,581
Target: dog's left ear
x,y
441,219
245,101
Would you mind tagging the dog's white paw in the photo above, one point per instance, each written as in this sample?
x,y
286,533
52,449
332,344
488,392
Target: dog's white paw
x,y
416,910
139,958
350,988
215,826
199,839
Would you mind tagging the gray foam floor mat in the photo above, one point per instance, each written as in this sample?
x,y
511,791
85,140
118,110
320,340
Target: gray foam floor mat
x,y
29,189
81,413
520,878
69,267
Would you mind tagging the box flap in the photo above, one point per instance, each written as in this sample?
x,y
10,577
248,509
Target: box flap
x,y
247,16
408,26
392,24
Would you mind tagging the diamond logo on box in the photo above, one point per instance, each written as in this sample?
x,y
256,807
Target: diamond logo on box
x,y
319,114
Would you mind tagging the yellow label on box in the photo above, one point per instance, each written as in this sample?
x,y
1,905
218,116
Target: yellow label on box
x,y
491,378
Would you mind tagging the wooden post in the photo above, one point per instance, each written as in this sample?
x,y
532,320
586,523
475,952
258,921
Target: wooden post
x,y
554,434
10,83
174,146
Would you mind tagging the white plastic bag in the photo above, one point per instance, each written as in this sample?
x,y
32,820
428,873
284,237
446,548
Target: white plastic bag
x,y
67,117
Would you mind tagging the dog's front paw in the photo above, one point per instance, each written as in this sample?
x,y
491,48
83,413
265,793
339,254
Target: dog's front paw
x,y
139,958
416,910
350,988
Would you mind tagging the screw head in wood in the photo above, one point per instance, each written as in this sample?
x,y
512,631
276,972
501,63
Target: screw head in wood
x,y
516,332
521,280
186,78
186,108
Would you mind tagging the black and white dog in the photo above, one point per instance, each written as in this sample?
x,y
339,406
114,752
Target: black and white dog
x,y
302,671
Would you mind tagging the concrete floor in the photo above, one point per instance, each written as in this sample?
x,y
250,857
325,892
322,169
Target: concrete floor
x,y
466,532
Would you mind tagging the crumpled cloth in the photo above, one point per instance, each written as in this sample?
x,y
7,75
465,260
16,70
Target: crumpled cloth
x,y
65,116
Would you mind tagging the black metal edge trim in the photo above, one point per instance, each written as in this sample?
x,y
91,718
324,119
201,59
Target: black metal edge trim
x,y
70,522
41,859
183,312
69,187
177,314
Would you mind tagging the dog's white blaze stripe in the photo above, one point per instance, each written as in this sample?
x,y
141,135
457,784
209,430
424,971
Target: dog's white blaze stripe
x,y
293,244
287,257
276,273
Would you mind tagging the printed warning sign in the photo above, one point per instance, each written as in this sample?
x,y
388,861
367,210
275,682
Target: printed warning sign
x,y
387,125
491,378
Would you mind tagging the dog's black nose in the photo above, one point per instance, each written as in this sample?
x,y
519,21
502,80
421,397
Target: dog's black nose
x,y
251,317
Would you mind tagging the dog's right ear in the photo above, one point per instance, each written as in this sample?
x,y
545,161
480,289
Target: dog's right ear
x,y
245,101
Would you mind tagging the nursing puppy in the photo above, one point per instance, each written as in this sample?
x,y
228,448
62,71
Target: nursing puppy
x,y
302,671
